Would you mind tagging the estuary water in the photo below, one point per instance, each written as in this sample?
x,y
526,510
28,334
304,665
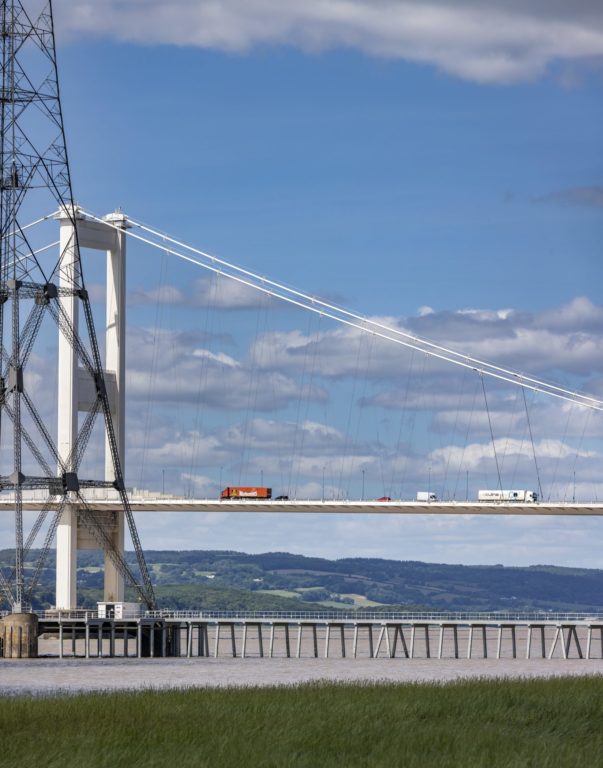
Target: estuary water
x,y
73,675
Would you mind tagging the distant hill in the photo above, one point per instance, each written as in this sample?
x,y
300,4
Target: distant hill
x,y
215,580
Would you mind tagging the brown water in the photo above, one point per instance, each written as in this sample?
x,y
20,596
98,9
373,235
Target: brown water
x,y
48,676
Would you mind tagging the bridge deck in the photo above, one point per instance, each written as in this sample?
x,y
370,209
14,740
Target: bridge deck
x,y
148,503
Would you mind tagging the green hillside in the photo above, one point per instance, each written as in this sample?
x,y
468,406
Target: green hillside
x,y
226,580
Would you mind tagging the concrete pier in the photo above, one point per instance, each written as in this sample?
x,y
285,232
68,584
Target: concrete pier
x,y
19,636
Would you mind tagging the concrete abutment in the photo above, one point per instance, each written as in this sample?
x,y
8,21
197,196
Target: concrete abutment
x,y
19,636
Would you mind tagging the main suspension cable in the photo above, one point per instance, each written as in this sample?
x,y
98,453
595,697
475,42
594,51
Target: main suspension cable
x,y
351,319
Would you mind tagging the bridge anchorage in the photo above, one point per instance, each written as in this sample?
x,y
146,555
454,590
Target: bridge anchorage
x,y
37,290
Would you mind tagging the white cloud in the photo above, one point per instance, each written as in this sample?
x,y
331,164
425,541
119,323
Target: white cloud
x,y
220,357
567,339
487,41
218,293
166,294
179,367
223,293
474,454
579,315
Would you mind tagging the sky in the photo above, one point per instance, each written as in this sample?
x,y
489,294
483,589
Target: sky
x,y
435,165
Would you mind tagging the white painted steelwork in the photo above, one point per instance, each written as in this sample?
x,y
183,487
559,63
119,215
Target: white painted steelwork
x,y
77,393
108,501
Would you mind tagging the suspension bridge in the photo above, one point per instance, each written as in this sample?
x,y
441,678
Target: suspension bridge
x,y
109,235
53,469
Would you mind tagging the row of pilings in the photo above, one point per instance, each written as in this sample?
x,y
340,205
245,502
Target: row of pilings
x,y
26,636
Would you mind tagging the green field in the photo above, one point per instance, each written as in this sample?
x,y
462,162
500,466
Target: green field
x,y
555,722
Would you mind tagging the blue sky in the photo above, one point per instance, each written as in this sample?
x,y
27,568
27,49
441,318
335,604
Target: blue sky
x,y
273,156
440,167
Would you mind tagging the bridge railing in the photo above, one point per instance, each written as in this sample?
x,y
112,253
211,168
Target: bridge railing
x,y
333,616
376,616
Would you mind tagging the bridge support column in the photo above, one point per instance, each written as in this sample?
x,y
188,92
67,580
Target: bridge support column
x,y
68,380
66,566
115,360
77,393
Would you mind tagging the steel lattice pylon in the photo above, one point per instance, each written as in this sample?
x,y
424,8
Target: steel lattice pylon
x,y
34,286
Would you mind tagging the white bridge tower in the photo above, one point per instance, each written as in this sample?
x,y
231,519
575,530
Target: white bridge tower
x,y
77,394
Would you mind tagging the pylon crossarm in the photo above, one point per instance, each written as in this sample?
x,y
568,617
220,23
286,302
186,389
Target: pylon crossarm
x,y
90,520
50,534
52,483
26,482
37,290
96,484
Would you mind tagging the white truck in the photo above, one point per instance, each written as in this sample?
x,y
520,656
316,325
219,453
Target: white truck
x,y
426,496
519,496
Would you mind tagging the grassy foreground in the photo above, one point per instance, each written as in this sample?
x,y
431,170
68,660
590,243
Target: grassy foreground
x,y
555,722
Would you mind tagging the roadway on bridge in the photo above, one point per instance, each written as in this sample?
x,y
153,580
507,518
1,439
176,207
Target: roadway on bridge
x,y
160,503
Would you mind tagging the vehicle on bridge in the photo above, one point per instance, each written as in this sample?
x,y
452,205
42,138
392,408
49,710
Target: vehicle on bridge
x,y
246,492
519,496
426,496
